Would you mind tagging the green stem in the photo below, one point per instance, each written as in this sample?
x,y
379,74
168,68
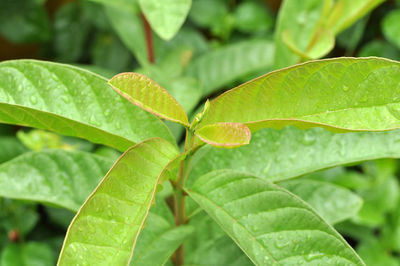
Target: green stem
x,y
179,195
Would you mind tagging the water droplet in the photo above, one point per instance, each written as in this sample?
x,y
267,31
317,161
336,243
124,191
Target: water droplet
x,y
107,112
19,88
66,99
33,99
94,121
313,256
281,245
118,125
345,88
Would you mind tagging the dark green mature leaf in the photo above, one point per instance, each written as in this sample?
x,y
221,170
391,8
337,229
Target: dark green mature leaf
x,y
27,254
24,21
10,148
391,27
106,228
290,152
333,203
341,94
222,66
58,177
165,16
148,95
72,102
226,135
252,211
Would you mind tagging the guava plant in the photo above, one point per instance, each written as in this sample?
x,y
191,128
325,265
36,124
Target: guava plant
x,y
239,155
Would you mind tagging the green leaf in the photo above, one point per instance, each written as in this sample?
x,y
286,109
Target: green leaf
x,y
165,16
24,21
251,211
380,48
129,27
147,94
220,67
72,102
226,135
57,177
346,12
391,27
333,203
338,94
10,148
252,17
209,245
27,254
105,229
290,152
373,253
158,241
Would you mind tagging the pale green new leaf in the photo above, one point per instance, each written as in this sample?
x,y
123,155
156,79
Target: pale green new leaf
x,y
73,102
225,135
147,94
58,177
105,229
332,202
165,16
290,152
230,63
270,224
341,94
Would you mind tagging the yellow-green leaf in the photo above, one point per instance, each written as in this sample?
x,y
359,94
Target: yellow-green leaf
x,y
225,135
340,94
147,94
105,229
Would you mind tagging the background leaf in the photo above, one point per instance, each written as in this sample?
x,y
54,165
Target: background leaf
x,y
72,102
251,211
290,152
165,16
331,202
27,254
114,214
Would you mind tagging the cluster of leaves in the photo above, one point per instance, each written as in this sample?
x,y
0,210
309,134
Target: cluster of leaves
x,y
199,48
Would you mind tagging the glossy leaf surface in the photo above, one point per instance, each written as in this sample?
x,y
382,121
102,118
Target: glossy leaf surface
x,y
165,16
290,152
222,66
251,211
226,135
72,102
59,177
333,203
147,94
342,94
114,214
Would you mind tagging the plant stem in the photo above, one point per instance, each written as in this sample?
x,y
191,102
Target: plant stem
x,y
149,39
179,195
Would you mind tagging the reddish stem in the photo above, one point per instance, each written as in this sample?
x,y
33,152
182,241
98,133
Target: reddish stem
x,y
149,39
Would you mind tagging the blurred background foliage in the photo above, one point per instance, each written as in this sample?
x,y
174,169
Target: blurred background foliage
x,y
220,44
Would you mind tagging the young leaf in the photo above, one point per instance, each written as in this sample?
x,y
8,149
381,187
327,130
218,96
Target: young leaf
x,y
229,63
165,16
72,102
226,135
341,94
106,228
290,152
147,94
333,203
270,224
58,177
